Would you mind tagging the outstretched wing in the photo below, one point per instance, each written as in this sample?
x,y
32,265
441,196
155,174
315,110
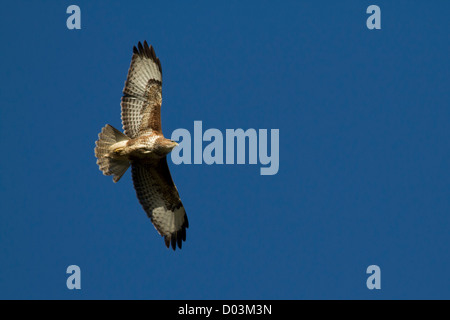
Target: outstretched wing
x,y
159,198
141,102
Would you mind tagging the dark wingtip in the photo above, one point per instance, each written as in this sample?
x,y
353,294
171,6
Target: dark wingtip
x,y
148,52
174,242
167,241
141,48
177,238
147,49
183,234
186,222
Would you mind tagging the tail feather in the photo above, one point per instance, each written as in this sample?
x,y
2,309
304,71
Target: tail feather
x,y
107,164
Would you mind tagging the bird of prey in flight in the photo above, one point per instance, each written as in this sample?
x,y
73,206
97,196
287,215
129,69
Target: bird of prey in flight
x,y
143,146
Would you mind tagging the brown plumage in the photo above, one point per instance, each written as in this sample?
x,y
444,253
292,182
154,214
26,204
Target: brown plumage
x,y
143,146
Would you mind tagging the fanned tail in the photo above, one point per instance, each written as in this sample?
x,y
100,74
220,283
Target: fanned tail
x,y
107,164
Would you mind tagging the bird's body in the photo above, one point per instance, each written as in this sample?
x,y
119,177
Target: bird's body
x,y
148,147
143,146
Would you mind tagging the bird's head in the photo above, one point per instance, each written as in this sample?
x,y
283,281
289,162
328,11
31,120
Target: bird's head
x,y
170,144
173,144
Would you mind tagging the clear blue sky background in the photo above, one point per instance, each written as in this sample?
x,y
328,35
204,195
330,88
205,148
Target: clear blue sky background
x,y
364,150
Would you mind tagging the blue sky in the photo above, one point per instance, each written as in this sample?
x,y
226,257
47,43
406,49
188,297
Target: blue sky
x,y
364,154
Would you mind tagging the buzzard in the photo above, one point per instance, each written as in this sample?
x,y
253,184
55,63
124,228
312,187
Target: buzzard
x,y
143,146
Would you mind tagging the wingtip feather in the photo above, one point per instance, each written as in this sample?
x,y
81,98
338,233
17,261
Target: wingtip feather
x,y
176,239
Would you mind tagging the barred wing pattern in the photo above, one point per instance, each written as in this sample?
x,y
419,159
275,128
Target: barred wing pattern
x,y
159,198
142,92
